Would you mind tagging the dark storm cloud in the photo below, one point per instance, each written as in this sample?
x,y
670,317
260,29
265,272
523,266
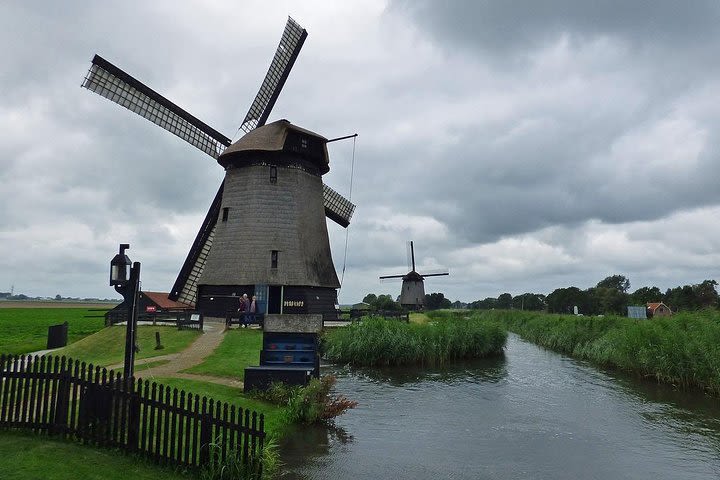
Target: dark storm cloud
x,y
499,26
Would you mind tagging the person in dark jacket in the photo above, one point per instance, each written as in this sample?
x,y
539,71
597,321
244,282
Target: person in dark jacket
x,y
243,309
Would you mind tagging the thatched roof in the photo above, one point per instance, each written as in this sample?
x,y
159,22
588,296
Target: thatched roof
x,y
272,138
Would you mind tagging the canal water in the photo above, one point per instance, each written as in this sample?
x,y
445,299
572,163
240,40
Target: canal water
x,y
532,414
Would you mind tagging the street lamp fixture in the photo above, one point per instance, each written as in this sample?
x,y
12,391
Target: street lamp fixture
x,y
120,268
126,280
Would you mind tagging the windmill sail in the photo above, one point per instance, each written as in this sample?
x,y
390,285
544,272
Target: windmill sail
x,y
185,288
110,82
287,52
412,293
337,208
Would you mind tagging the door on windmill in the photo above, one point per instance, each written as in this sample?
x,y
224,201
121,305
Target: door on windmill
x,y
274,300
261,295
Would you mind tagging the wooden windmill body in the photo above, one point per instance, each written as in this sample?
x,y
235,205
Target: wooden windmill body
x,y
412,293
265,233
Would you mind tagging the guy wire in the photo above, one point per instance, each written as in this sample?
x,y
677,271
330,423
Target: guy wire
x,y
347,230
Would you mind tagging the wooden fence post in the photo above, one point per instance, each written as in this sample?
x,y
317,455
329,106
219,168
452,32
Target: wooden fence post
x,y
133,418
205,433
62,400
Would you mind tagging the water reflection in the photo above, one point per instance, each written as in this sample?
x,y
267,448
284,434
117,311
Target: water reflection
x,y
531,414
688,412
314,440
476,371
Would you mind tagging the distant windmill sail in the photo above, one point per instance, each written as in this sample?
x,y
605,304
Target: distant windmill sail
x,y
412,294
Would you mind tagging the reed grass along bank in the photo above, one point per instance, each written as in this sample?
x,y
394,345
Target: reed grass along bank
x,y
380,342
682,350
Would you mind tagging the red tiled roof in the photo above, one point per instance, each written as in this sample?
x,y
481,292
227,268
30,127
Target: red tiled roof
x,y
654,305
162,300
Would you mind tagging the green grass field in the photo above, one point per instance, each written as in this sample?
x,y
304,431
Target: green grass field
x,y
26,456
25,330
107,347
240,348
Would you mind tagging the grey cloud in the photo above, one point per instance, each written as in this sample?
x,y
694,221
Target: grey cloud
x,y
504,27
550,125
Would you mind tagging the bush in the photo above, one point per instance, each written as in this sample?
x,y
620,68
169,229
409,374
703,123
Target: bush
x,y
310,404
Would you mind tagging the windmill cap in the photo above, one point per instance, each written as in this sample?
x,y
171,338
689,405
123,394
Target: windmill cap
x,y
279,136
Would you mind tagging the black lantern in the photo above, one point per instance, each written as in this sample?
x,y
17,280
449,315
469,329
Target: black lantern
x,y
120,267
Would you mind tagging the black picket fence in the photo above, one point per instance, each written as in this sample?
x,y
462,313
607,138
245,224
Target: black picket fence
x,y
62,397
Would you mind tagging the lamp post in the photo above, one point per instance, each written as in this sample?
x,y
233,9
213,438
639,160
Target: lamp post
x,y
127,284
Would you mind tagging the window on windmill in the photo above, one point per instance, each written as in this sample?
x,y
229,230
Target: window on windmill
x,y
304,142
273,174
273,259
226,212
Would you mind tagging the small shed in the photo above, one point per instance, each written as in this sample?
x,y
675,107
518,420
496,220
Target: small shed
x,y
149,304
158,302
658,309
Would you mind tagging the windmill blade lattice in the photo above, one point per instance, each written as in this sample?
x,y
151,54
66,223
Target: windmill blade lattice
x,y
287,52
337,208
110,82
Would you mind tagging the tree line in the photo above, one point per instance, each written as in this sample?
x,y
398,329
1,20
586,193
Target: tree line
x,y
610,296
433,301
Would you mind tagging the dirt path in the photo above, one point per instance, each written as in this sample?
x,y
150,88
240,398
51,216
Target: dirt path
x,y
198,351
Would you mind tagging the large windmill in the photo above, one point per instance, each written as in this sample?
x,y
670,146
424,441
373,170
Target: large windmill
x,y
265,232
412,294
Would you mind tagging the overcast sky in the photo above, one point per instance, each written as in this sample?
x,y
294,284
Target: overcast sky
x,y
524,145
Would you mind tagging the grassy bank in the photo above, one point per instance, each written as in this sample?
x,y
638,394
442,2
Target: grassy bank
x,y
25,329
239,349
682,350
107,347
380,342
26,456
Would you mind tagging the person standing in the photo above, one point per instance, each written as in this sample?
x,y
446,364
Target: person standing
x,y
244,304
253,309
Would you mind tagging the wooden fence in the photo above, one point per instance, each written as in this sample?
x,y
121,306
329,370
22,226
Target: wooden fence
x,y
56,396
183,319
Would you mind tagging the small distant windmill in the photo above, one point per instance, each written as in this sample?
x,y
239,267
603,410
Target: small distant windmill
x,y
412,295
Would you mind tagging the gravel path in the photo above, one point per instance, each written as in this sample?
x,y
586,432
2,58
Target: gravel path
x,y
198,351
